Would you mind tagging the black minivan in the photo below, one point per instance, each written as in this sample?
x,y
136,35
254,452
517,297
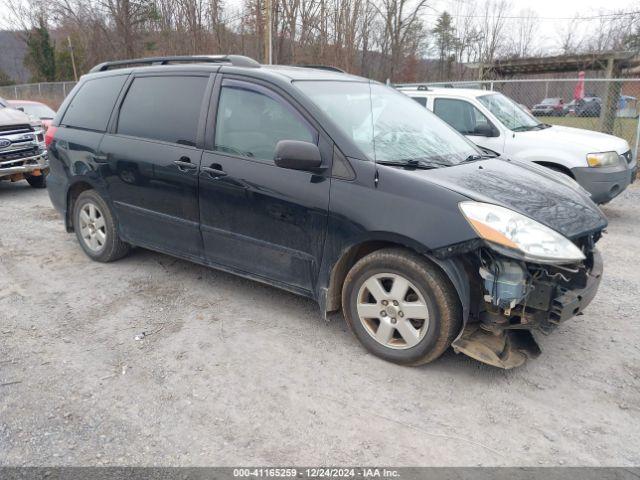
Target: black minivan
x,y
331,186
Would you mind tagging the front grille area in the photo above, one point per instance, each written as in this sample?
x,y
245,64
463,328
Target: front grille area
x,y
588,242
12,129
15,155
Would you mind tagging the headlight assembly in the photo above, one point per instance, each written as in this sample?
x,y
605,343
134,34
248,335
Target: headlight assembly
x,y
604,159
519,236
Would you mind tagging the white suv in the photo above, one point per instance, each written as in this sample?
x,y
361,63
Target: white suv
x,y
600,163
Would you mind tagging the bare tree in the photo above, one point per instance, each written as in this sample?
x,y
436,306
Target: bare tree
x,y
492,24
403,30
523,33
568,37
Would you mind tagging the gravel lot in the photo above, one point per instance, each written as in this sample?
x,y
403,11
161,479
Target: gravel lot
x,y
234,372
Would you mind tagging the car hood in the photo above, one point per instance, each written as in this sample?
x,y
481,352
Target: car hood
x,y
590,141
524,189
9,116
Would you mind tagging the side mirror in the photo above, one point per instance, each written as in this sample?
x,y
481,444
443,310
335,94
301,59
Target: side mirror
x,y
485,130
297,155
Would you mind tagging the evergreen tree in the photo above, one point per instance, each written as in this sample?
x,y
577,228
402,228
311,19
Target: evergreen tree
x,y
5,79
41,55
445,43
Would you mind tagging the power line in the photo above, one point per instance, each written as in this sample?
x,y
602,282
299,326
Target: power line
x,y
522,17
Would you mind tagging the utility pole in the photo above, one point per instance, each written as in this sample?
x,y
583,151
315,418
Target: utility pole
x,y
73,59
268,29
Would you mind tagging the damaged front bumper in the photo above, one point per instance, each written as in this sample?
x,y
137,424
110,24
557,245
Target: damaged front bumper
x,y
502,333
15,169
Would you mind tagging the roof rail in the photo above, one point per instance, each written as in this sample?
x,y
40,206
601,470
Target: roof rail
x,y
235,60
418,86
323,67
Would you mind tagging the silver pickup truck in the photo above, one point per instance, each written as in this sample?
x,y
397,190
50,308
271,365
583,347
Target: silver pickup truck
x,y
23,155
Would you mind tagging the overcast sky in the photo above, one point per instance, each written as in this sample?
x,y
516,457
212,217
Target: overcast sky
x,y
553,13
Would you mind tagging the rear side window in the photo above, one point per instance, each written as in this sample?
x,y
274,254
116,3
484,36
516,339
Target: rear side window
x,y
421,100
163,108
91,107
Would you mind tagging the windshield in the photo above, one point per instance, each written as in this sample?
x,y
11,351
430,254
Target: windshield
x,y
508,112
550,101
35,110
387,125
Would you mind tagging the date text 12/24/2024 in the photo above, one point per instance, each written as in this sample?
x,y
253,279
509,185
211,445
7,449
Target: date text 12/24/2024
x,y
316,472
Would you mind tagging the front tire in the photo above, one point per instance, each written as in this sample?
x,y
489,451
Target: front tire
x,y
401,307
95,228
37,181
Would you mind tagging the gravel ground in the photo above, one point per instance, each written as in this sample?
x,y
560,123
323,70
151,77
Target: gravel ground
x,y
234,372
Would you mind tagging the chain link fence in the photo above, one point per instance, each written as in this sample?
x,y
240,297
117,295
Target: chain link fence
x,y
52,93
608,105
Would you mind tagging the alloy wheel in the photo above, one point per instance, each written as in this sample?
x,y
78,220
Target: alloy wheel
x,y
93,229
392,310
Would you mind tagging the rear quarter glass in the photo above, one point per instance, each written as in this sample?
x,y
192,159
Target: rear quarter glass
x,y
92,105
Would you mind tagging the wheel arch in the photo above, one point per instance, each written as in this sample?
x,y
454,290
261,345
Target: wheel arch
x,y
556,166
73,192
452,267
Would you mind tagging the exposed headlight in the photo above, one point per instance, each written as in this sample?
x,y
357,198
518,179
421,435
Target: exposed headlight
x,y
604,159
519,236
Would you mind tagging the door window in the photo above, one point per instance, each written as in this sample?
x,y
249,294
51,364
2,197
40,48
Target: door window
x,y
462,116
421,100
252,120
163,108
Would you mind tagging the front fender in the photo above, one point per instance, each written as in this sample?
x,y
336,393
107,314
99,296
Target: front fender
x,y
550,155
455,270
332,273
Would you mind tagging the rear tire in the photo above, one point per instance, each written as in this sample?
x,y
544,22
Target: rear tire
x,y
39,181
96,230
422,313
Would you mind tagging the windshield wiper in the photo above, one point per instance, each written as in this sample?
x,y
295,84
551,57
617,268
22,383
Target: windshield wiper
x,y
421,164
527,128
476,157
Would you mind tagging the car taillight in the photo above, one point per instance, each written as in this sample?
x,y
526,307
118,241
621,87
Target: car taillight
x,y
48,138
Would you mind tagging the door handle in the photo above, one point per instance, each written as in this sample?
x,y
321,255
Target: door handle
x,y
214,171
184,164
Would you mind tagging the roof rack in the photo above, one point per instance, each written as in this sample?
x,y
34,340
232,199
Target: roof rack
x,y
235,60
323,67
418,86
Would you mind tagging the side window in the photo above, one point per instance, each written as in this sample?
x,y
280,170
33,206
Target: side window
x,y
91,107
421,100
461,115
163,108
251,120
